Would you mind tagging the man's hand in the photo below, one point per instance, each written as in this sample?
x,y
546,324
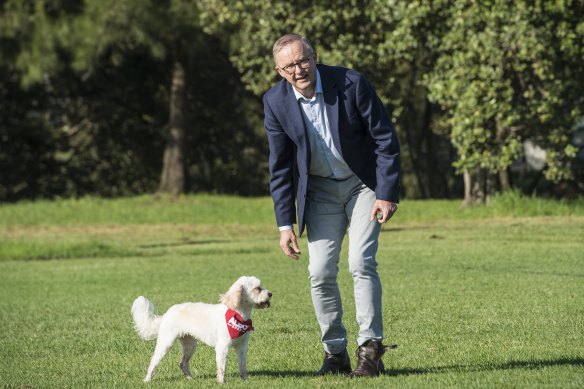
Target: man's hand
x,y
289,244
383,210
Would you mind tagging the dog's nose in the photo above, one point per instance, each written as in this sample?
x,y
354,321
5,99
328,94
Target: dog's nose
x,y
270,294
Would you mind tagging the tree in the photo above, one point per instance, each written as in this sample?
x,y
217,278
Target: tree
x,y
69,135
99,82
401,55
466,82
500,72
507,72
392,44
91,29
166,28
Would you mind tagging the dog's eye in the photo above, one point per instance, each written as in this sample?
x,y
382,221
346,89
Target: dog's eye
x,y
258,289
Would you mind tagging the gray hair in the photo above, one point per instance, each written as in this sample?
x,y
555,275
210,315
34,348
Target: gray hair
x,y
285,40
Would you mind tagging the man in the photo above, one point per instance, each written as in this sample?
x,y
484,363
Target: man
x,y
333,152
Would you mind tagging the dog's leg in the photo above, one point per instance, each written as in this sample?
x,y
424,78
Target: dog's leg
x,y
188,345
242,359
221,351
163,344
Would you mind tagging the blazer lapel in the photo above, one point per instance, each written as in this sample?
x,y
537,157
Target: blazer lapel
x,y
296,123
294,116
330,91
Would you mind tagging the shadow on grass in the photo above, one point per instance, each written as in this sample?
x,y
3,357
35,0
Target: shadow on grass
x,y
540,273
282,373
234,376
182,243
392,229
443,369
534,365
501,366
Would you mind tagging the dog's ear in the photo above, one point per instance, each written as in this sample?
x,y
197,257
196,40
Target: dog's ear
x,y
233,296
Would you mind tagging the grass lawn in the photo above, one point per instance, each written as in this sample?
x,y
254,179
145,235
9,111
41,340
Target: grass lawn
x,y
481,297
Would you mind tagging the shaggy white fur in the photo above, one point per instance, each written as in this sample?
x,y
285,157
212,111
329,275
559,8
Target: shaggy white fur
x,y
190,322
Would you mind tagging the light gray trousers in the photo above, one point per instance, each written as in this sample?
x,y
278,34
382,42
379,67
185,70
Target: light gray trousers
x,y
332,207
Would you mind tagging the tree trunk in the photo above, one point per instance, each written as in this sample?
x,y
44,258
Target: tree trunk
x,y
172,179
504,179
479,185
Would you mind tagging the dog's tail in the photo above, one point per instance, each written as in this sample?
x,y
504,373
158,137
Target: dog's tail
x,y
145,321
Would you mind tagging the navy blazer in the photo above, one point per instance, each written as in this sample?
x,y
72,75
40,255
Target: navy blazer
x,y
361,131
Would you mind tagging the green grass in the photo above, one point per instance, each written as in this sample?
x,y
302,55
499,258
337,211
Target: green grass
x,y
480,297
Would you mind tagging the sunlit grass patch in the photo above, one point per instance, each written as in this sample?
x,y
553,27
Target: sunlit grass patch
x,y
490,300
61,250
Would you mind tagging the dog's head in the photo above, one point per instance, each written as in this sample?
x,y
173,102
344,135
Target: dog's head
x,y
247,292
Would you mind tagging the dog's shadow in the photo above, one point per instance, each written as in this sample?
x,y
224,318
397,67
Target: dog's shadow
x,y
282,373
230,377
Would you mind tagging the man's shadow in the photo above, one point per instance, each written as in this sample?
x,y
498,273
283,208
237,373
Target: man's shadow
x,y
534,365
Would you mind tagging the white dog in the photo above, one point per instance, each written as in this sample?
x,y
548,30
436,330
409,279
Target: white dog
x,y
220,326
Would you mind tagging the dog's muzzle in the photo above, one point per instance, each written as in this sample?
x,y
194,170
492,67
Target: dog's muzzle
x,y
265,304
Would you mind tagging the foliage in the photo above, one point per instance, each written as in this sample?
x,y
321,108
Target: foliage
x,y
82,138
85,87
507,72
93,118
390,43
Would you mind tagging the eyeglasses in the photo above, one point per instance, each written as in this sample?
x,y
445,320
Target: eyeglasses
x,y
303,63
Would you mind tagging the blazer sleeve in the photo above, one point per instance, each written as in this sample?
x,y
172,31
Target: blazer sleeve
x,y
281,165
387,150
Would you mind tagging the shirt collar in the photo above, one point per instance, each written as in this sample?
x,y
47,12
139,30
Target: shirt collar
x,y
317,89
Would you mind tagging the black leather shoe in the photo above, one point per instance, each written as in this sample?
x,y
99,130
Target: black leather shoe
x,y
335,364
369,363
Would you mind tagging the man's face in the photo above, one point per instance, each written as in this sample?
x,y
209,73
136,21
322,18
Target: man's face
x,y
298,66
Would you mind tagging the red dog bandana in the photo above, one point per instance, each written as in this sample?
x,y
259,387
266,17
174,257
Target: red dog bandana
x,y
236,325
